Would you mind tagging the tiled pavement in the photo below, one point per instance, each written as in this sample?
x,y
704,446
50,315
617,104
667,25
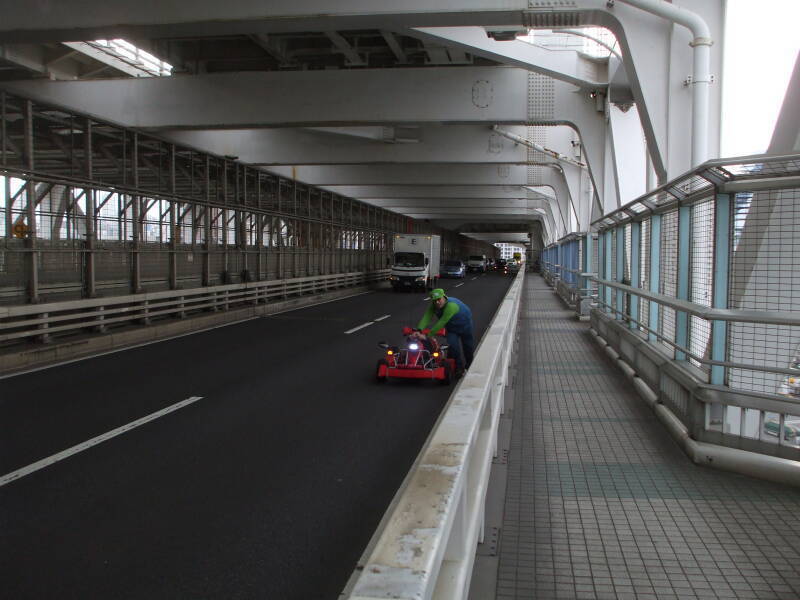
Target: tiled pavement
x,y
601,503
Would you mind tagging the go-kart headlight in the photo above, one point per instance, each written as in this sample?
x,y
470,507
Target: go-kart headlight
x,y
413,346
420,279
393,278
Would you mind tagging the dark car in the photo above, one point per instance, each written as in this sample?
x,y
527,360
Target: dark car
x,y
500,264
453,268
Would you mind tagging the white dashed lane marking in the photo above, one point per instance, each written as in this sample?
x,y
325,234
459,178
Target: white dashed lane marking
x,y
46,462
367,324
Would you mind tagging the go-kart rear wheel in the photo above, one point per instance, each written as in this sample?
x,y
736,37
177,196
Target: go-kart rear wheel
x,y
381,363
448,374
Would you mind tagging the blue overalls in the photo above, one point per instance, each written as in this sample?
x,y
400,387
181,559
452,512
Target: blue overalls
x,y
459,329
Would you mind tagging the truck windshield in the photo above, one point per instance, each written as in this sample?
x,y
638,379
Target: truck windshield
x,y
409,259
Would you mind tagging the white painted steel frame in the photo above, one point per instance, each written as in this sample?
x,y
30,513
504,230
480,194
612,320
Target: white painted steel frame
x,y
426,546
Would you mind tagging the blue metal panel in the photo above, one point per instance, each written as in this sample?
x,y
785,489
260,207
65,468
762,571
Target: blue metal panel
x,y
655,272
722,244
684,256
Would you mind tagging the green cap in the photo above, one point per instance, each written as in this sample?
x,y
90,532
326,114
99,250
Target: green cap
x,y
437,293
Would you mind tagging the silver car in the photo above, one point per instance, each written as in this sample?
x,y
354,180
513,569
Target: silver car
x,y
453,268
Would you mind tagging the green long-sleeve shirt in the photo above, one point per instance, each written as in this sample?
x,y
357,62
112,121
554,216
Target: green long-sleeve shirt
x,y
450,309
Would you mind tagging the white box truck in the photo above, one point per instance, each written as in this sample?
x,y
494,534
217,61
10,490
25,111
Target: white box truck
x,y
477,262
416,261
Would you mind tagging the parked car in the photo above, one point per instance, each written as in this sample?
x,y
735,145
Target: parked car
x,y
453,268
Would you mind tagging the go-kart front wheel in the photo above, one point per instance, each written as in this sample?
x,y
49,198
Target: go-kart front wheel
x,y
448,374
380,373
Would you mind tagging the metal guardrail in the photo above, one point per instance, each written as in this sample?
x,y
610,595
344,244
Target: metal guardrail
x,y
425,547
18,323
697,291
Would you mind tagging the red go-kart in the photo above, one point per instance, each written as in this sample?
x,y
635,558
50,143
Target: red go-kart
x,y
417,359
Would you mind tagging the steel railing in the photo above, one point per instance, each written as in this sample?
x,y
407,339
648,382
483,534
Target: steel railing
x,y
23,322
425,545
698,292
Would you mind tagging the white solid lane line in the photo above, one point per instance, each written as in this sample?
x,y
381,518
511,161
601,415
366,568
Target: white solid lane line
x,y
382,318
46,462
367,324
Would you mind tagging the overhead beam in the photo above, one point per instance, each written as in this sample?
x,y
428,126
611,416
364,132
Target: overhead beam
x,y
399,205
569,66
273,47
342,45
436,144
422,175
420,191
306,98
99,19
391,41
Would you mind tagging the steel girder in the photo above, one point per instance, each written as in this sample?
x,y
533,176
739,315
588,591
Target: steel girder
x,y
657,60
422,144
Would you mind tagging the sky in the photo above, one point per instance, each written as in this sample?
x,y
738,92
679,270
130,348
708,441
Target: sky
x,y
762,43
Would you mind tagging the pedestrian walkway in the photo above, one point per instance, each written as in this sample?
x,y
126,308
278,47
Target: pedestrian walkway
x,y
601,503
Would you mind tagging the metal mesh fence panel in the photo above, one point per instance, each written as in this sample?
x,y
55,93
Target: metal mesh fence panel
x,y
613,268
13,277
154,269
626,265
764,276
668,285
235,265
189,267
272,265
644,274
595,260
113,269
701,278
61,268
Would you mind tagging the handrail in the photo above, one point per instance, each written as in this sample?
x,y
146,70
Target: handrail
x,y
714,172
711,314
427,543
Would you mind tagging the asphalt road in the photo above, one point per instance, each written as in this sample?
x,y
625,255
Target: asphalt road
x,y
269,486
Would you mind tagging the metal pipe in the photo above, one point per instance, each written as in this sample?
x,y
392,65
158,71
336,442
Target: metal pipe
x,y
701,73
525,142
